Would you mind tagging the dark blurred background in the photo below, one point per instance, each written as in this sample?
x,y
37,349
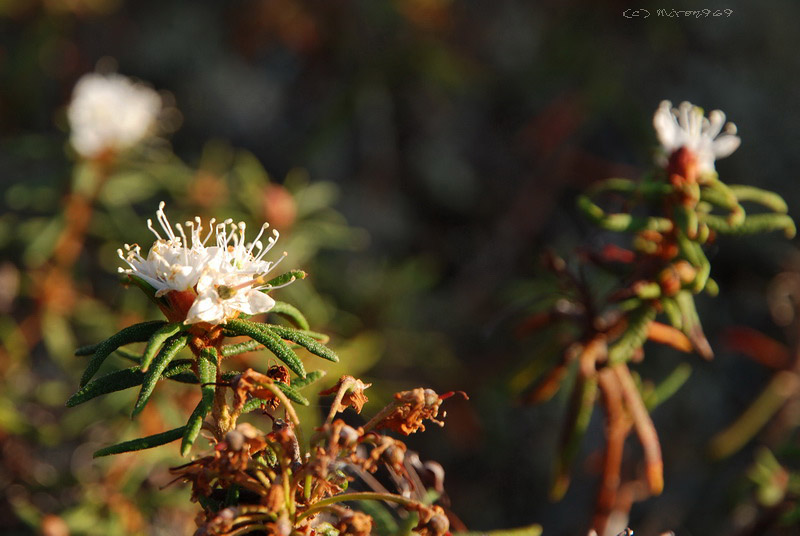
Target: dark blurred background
x,y
453,137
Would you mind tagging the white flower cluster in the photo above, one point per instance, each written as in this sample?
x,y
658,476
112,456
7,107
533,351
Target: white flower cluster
x,y
110,113
687,126
227,278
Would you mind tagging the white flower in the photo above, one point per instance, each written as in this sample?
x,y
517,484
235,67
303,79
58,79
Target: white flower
x,y
221,296
686,126
221,280
110,113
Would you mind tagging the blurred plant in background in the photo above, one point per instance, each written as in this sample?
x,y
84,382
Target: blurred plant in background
x,y
601,326
771,418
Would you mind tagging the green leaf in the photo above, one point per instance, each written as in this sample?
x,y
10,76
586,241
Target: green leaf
x,y
207,371
305,341
129,355
241,347
578,416
310,378
771,200
124,379
284,278
669,386
291,313
634,335
142,443
292,394
185,377
274,344
167,354
136,333
251,405
156,341
88,349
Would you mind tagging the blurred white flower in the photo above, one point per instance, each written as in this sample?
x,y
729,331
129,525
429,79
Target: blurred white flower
x,y
686,126
205,284
110,113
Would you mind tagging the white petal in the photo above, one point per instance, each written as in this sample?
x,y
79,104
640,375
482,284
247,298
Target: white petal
x,y
257,302
666,129
206,308
725,145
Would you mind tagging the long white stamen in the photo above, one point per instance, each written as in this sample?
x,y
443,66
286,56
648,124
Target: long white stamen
x,y
150,226
162,219
271,242
211,223
258,236
185,244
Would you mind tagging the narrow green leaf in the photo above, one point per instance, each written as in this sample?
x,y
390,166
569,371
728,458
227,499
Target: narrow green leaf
x,y
620,222
88,349
124,379
241,347
292,394
129,355
305,341
285,278
578,416
185,377
311,377
272,342
771,200
292,313
156,341
136,333
167,354
142,443
634,335
669,386
207,370
251,405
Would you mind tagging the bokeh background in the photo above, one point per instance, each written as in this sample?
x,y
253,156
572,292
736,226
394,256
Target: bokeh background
x,y
417,156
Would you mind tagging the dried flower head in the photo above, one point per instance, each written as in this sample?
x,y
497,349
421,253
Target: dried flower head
x,y
352,394
687,127
110,113
204,284
408,409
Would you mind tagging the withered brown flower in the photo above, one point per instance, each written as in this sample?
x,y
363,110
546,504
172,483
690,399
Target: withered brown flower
x,y
352,396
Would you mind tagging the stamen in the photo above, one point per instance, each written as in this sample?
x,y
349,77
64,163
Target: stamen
x,y
192,233
210,230
150,226
271,242
258,236
162,219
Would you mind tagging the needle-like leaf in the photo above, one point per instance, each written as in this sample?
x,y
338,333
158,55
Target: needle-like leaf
x,y
167,354
136,333
207,369
142,443
124,379
305,341
291,313
274,343
156,341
